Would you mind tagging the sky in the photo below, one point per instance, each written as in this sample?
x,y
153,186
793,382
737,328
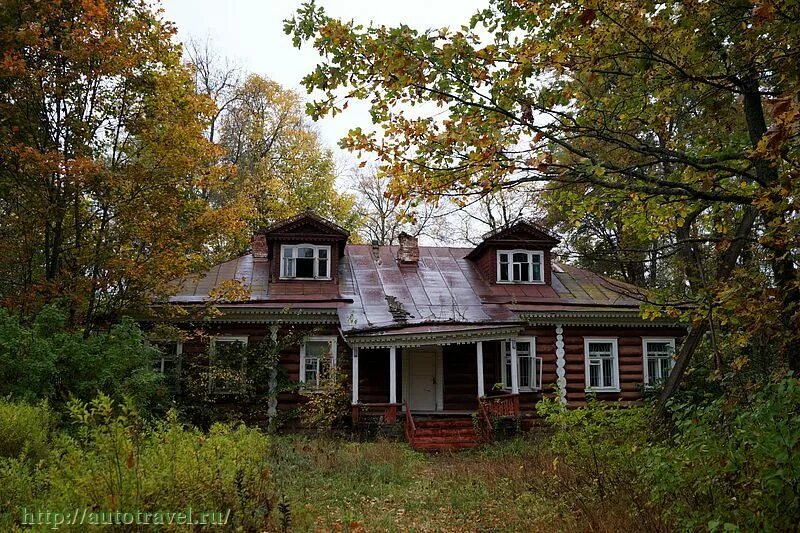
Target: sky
x,y
250,33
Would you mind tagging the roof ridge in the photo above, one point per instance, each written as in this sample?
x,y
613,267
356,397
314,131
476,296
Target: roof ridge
x,y
307,213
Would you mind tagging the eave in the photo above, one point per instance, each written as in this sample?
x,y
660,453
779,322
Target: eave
x,y
606,317
434,336
261,315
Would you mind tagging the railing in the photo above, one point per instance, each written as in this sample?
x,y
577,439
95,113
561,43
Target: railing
x,y
501,405
410,427
388,416
483,414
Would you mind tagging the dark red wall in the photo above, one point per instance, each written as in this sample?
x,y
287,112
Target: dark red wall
x,y
487,262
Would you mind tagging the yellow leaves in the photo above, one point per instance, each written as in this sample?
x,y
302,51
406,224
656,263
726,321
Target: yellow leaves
x,y
739,363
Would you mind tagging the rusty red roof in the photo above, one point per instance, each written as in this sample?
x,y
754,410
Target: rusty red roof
x,y
373,291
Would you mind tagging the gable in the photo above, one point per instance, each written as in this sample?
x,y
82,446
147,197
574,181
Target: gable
x,y
304,228
306,223
523,234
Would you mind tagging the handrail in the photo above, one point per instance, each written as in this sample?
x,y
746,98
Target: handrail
x,y
410,427
506,404
486,420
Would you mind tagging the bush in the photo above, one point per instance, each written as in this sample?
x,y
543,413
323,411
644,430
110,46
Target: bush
x,y
733,464
329,404
113,461
730,463
599,465
45,361
25,430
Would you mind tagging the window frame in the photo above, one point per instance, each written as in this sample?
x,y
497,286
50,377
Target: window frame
x,y
646,373
316,259
163,358
615,384
511,262
244,339
536,364
332,339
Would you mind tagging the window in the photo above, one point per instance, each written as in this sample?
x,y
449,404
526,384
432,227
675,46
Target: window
x,y
602,365
227,360
169,363
305,261
529,368
658,360
520,266
317,355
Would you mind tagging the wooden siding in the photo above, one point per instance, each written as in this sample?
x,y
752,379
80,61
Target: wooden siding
x,y
459,364
460,371
289,361
631,360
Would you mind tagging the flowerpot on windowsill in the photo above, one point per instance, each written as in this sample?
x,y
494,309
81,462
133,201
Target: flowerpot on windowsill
x,y
497,392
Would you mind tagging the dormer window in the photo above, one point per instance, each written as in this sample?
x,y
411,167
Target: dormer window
x,y
520,266
305,261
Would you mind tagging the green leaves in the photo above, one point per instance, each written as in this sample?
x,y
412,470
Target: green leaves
x,y
633,117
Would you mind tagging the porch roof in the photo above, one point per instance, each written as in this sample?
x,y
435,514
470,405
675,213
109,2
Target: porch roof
x,y
434,334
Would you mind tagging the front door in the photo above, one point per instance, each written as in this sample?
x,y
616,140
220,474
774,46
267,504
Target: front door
x,y
420,377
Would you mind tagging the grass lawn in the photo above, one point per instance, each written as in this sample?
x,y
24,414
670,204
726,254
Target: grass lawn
x,y
348,486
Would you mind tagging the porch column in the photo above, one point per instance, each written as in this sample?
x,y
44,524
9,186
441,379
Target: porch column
x,y
355,375
392,375
479,352
514,368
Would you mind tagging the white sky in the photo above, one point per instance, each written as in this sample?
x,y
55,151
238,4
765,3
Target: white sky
x,y
250,33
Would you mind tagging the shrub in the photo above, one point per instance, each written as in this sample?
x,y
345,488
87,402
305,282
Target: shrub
x,y
733,464
599,465
45,361
112,460
25,430
327,405
252,376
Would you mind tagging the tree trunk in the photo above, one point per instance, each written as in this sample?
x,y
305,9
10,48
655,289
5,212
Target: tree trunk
x,y
782,262
692,341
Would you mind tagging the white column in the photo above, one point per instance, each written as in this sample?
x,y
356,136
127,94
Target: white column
x,y
514,368
479,352
392,375
560,363
355,375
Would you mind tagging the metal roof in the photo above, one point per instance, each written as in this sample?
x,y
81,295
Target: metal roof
x,y
375,292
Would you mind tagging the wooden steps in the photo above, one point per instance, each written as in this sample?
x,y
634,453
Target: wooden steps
x,y
444,434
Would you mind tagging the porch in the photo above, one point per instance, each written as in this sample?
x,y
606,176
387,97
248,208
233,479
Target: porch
x,y
430,384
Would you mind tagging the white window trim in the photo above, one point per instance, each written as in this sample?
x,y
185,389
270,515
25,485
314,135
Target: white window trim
x,y
177,356
212,352
615,354
537,363
315,338
317,248
645,340
530,262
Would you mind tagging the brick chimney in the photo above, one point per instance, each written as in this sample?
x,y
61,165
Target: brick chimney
x,y
409,249
259,246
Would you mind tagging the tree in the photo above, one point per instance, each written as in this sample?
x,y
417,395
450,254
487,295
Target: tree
x,y
279,158
496,210
383,219
680,115
277,163
102,157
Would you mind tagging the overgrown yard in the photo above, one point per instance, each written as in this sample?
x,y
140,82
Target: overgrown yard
x,y
722,466
336,485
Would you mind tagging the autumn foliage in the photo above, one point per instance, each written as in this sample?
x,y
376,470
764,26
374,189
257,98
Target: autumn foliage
x,y
662,137
102,157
